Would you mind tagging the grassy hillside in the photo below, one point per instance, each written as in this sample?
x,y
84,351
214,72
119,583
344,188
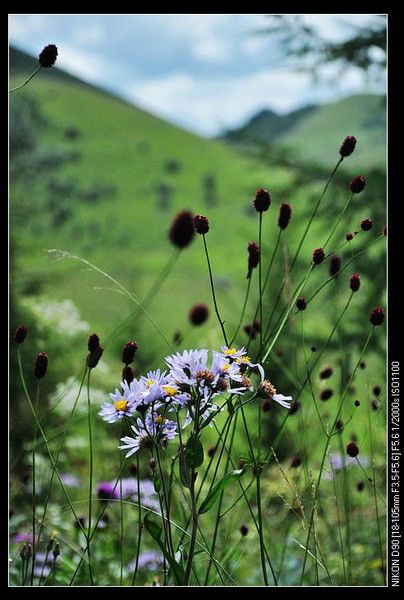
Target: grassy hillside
x,y
126,235
307,133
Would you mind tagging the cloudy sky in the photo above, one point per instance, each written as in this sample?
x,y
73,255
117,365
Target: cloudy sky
x,y
203,72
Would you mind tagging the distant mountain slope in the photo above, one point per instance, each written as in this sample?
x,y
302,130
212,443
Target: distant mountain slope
x,y
268,126
307,133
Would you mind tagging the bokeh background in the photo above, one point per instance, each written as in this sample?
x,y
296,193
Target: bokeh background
x,y
145,115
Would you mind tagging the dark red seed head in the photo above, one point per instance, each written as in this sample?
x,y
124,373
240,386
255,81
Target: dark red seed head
x,y
266,405
20,333
362,365
249,330
335,264
201,224
375,405
339,426
253,257
94,356
244,530
262,200
357,184
296,461
285,213
377,390
182,229
326,394
211,451
352,449
357,403
376,316
93,342
355,282
347,146
360,486
349,236
313,349
301,304
318,256
133,468
326,373
366,224
128,352
47,57
128,374
40,365
198,314
294,407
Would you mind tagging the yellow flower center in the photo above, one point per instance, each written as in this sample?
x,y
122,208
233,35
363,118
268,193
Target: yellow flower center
x,y
160,419
150,382
245,359
120,404
170,390
225,367
230,351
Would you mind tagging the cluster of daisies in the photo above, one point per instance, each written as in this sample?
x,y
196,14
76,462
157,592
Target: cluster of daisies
x,y
193,383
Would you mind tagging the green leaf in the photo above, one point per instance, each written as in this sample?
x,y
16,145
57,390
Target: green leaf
x,y
185,472
152,527
156,483
230,406
193,452
215,492
155,531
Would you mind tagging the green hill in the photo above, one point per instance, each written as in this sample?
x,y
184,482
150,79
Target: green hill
x,y
150,169
307,132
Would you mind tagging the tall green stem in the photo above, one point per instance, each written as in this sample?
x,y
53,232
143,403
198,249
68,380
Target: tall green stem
x,y
27,80
34,542
325,453
221,323
90,481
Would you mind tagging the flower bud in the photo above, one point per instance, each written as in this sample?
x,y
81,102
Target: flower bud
x,y
94,357
352,449
20,333
326,373
47,57
262,200
285,213
93,342
152,464
355,282
201,224
301,304
376,316
41,365
253,257
318,256
357,184
366,224
182,229
347,146
198,314
244,530
296,462
128,352
349,236
335,264
326,394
